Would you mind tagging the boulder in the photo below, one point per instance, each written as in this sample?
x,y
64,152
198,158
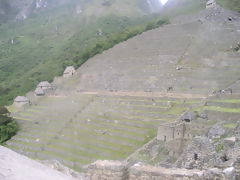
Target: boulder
x,y
230,141
229,172
188,116
203,115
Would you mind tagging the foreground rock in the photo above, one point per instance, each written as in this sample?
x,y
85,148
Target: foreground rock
x,y
14,166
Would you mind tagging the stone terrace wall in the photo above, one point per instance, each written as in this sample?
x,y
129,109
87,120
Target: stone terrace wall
x,y
107,170
115,170
158,173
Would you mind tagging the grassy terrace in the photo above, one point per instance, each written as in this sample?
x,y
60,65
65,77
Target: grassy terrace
x,y
233,4
107,127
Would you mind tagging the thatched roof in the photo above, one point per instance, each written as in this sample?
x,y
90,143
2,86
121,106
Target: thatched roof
x,y
39,91
44,84
21,99
69,70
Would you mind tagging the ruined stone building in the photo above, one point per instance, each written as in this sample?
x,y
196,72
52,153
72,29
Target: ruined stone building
x,y
176,135
179,130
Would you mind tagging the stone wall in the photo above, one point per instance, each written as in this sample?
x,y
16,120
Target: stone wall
x,y
106,170
146,172
116,170
176,147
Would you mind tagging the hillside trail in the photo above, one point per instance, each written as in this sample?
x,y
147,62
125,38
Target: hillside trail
x,y
147,94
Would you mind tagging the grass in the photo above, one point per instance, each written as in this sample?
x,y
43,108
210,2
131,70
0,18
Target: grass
x,y
176,110
230,125
233,101
230,4
80,142
221,109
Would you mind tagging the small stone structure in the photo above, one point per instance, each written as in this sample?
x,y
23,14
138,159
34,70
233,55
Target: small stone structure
x,y
79,9
21,101
44,85
69,71
99,32
171,131
211,4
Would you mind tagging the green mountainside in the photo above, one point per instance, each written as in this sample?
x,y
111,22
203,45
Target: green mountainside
x,y
230,4
40,47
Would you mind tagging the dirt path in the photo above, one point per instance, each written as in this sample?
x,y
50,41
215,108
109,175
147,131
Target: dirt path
x,y
147,94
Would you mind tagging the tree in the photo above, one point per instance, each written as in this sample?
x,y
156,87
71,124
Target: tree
x,y
8,126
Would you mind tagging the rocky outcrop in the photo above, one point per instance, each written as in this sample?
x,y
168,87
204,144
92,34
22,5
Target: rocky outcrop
x,y
216,131
14,166
199,153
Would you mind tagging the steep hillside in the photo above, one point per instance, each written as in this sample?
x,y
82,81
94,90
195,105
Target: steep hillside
x,y
233,4
117,99
20,10
41,46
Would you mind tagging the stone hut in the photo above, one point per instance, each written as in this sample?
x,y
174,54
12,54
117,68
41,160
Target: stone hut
x,y
79,9
39,92
188,116
21,101
44,85
69,71
211,4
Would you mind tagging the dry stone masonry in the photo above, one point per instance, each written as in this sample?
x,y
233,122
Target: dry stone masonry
x,y
116,170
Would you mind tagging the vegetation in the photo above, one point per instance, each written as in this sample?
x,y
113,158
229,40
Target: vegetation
x,y
8,127
39,49
219,148
230,4
230,125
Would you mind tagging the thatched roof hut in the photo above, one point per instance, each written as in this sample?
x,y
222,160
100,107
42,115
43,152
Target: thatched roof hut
x,y
39,91
69,71
44,85
21,99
